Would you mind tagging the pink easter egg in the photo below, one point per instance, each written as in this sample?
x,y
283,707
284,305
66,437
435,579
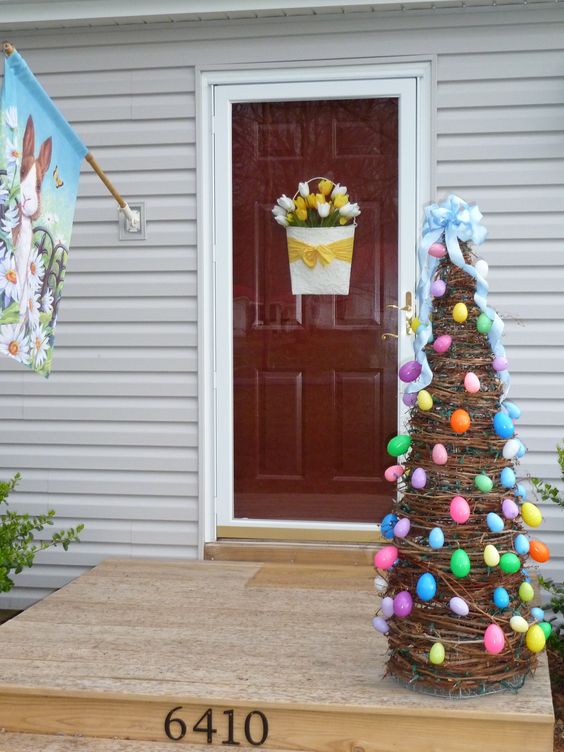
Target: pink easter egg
x,y
419,478
437,250
401,528
438,288
442,343
500,363
494,639
471,383
459,509
509,509
403,603
439,454
394,472
409,398
387,607
385,557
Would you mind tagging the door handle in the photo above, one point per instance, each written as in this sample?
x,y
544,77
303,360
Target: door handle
x,y
389,334
408,307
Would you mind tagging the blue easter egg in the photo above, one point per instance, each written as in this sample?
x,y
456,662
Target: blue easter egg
x,y
537,613
513,411
521,544
521,491
426,586
503,425
436,538
522,450
387,526
507,478
495,523
501,597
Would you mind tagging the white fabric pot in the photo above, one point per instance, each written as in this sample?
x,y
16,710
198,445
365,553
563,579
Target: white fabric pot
x,y
332,278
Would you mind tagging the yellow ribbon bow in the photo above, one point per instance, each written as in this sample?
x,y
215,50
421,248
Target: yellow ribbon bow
x,y
325,253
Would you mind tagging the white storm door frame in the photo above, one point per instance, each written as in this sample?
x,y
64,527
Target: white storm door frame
x,y
411,84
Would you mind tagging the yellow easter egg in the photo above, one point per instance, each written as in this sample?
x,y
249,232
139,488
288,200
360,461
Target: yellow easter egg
x,y
437,653
414,324
518,624
526,592
535,639
460,313
424,400
491,556
531,514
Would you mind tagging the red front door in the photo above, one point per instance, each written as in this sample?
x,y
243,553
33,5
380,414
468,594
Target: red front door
x,y
314,384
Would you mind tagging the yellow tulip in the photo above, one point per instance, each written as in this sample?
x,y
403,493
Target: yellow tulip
x,y
302,214
340,200
325,187
343,220
312,200
290,217
300,203
320,198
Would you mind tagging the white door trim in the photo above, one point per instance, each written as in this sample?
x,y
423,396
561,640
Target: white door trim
x,y
411,82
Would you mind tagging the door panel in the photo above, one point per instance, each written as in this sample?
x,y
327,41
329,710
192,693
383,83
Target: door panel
x,y
314,385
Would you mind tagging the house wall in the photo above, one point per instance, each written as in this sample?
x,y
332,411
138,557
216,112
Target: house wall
x,y
111,439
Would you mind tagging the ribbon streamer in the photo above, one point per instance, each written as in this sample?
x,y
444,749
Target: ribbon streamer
x,y
324,253
457,220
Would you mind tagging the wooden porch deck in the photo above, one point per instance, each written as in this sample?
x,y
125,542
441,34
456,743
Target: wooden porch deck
x,y
290,646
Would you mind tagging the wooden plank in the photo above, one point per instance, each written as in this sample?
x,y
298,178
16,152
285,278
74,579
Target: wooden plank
x,y
290,553
301,534
14,742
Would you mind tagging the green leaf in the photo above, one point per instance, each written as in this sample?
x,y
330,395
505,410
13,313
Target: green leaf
x,y
10,315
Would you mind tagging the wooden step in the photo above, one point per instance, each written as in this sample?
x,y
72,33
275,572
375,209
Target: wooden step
x,y
351,554
278,656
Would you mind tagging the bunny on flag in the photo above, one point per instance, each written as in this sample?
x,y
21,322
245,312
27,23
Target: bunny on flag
x,y
40,158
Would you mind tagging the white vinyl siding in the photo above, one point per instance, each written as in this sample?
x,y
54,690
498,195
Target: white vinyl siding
x,y
112,438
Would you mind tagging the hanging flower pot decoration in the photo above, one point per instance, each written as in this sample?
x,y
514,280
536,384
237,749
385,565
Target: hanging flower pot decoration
x,y
320,234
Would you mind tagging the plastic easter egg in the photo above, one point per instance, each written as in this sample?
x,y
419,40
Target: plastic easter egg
x,y
424,400
522,451
503,425
471,383
403,603
510,449
513,411
426,587
380,584
387,607
437,653
521,544
459,563
539,551
483,483
399,445
531,514
526,592
439,454
525,574
387,525
494,639
509,509
482,268
537,613
520,491
546,628
459,509
535,638
394,472
491,556
484,323
409,398
438,288
414,324
437,250
385,557
518,624
458,606
501,597
402,527
510,563
507,478
436,538
410,371
380,624
460,421
442,343
500,363
419,478
460,313
494,522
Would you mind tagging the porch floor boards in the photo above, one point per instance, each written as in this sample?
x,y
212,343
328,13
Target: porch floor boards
x,y
110,654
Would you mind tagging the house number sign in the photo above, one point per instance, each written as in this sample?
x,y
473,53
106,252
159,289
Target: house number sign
x,y
255,727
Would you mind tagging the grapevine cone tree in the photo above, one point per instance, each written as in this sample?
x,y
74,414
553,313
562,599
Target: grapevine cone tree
x,y
457,599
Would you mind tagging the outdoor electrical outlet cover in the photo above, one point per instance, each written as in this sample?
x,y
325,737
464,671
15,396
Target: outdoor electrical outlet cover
x,y
125,230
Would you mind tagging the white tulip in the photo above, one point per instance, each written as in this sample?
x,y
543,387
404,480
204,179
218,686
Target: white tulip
x,y
278,211
303,189
282,221
323,210
338,190
349,210
286,203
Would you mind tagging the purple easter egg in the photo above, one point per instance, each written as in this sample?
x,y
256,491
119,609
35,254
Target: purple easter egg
x,y
459,606
381,625
410,371
403,603
409,398
499,363
438,288
387,607
437,250
509,509
442,343
419,478
401,528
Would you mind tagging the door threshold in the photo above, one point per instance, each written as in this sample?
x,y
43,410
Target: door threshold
x,y
306,535
292,552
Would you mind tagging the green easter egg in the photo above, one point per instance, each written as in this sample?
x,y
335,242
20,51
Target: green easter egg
x,y
459,563
546,628
510,563
399,445
483,483
526,592
437,654
484,323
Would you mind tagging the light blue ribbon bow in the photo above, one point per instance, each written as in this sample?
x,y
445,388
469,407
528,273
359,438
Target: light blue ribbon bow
x,y
458,221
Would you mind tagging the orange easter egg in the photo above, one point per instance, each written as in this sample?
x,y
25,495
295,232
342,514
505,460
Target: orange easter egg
x,y
538,551
460,421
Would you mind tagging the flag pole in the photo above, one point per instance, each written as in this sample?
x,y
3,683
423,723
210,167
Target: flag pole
x,y
131,216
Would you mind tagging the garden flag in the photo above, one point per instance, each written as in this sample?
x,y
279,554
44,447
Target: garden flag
x,y
40,157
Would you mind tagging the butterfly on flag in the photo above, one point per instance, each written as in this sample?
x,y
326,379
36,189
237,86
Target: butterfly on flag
x,y
58,182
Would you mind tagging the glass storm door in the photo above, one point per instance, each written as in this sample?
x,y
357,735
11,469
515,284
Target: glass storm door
x,y
314,384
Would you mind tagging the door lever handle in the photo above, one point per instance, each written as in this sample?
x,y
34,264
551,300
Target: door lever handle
x,y
408,307
389,334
